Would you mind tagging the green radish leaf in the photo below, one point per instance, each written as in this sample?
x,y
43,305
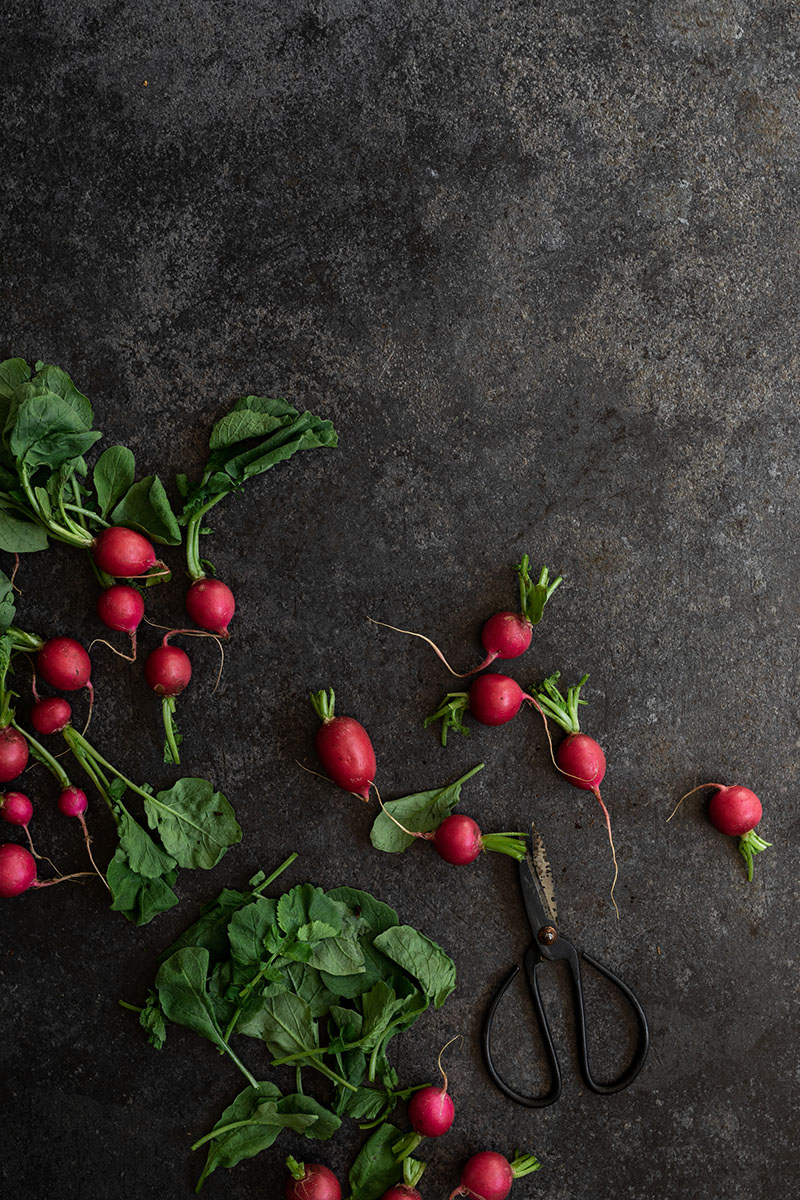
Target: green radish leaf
x,y
210,930
306,982
113,475
419,812
196,824
239,426
8,606
422,958
287,1026
325,1122
52,379
13,372
338,956
139,897
151,1019
274,407
376,1167
18,536
181,986
145,506
255,1106
143,854
48,432
306,904
248,929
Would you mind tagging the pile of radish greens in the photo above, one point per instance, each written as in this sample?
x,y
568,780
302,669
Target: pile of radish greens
x,y
325,980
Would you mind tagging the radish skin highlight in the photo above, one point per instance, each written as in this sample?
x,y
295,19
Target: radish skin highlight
x,y
505,634
123,552
735,811
210,604
13,754
121,608
343,747
489,1175
51,715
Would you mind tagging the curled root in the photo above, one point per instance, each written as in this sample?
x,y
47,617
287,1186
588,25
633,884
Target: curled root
x,y
435,648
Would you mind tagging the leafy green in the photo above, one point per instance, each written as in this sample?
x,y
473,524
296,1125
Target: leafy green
x,y
13,372
196,824
139,897
19,535
47,431
423,959
181,986
113,476
376,1167
419,812
8,606
146,506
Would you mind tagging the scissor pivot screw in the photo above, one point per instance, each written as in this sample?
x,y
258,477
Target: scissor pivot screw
x,y
547,934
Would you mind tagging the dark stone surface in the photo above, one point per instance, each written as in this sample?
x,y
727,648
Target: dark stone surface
x,y
538,264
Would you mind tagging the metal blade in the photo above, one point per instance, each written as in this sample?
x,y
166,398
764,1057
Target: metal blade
x,y
543,872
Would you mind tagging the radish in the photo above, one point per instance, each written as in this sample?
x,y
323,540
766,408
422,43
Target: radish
x,y
459,841
343,747
579,757
168,670
310,1181
121,608
489,1176
73,802
493,699
402,1191
13,754
123,552
18,871
735,811
51,715
64,664
431,1113
505,634
210,604
16,809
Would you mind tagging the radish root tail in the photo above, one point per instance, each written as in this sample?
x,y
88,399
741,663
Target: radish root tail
x,y
685,795
600,801
410,633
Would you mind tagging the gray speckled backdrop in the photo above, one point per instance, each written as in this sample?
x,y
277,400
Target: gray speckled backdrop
x,y
538,263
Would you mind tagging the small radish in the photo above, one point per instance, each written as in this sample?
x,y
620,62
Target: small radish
x,y
16,809
489,1176
579,757
210,604
64,664
310,1181
431,1113
13,754
121,608
343,747
72,802
51,715
505,634
168,670
734,810
402,1191
459,841
123,552
18,871
493,699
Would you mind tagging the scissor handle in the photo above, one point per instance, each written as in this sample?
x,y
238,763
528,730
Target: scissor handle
x,y
532,962
643,1039
533,959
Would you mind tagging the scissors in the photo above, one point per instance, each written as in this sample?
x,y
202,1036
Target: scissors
x,y
536,880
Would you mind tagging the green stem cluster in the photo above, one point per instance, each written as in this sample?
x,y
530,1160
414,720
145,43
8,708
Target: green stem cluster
x,y
562,709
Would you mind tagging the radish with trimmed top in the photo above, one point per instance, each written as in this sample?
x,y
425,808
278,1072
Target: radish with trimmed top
x,y
489,1175
735,811
493,699
505,634
210,604
311,1181
343,747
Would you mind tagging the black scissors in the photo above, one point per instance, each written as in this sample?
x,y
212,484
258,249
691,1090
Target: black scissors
x,y
549,946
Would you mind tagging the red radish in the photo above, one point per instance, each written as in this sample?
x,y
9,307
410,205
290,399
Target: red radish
x,y
51,715
579,757
18,871
73,802
489,1176
311,1181
431,1110
167,669
64,664
402,1191
121,608
210,604
506,634
493,699
735,811
123,552
459,841
13,753
343,747
16,809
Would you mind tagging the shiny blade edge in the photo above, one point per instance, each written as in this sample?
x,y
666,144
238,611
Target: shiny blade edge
x,y
539,863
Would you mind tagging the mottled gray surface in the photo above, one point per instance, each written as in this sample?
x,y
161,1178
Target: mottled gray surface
x,y
538,264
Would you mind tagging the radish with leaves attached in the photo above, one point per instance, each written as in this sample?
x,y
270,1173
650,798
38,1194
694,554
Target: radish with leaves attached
x,y
124,553
18,872
64,664
735,811
121,608
50,715
489,1176
505,634
13,754
493,699
579,757
17,809
168,670
310,1181
343,747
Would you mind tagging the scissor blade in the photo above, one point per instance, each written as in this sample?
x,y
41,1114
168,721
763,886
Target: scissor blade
x,y
541,872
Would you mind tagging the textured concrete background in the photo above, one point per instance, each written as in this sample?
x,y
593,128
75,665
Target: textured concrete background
x,y
538,264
